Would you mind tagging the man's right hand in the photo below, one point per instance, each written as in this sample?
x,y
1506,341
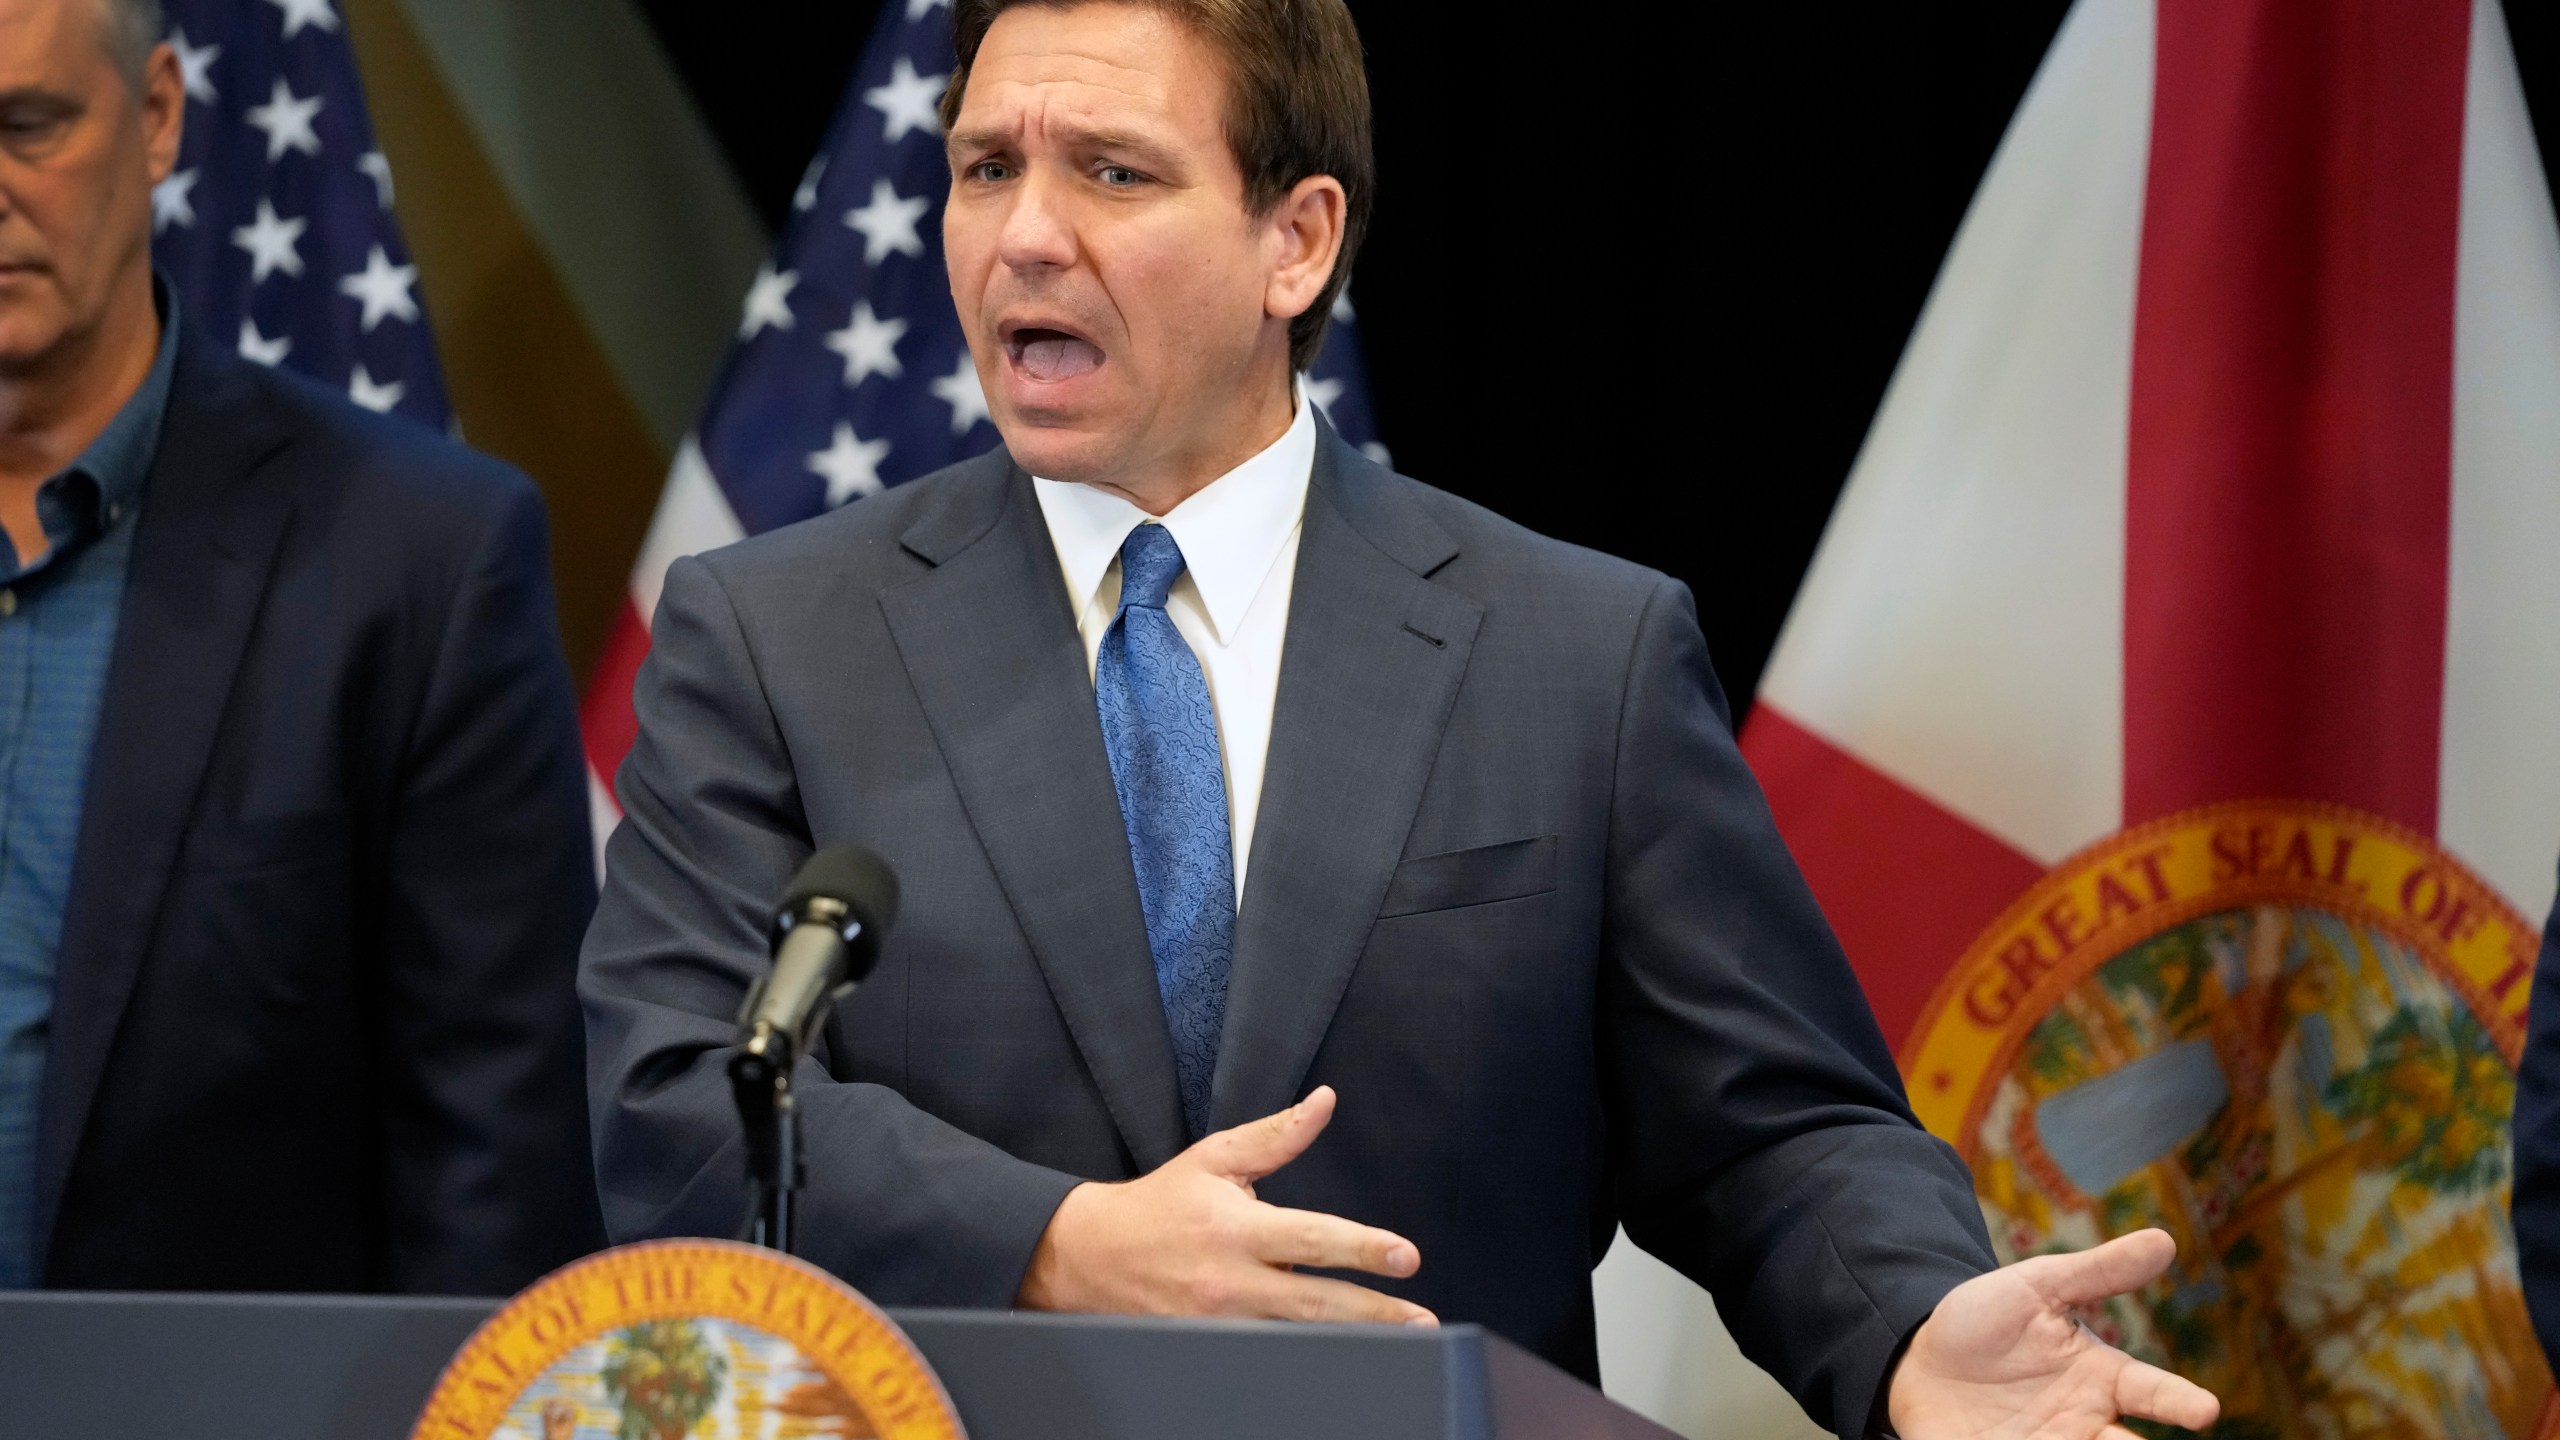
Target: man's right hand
x,y
1191,1239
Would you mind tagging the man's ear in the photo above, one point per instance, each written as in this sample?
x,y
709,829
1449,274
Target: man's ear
x,y
1305,230
164,111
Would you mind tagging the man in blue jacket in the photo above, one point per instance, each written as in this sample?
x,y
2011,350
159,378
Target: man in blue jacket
x,y
293,843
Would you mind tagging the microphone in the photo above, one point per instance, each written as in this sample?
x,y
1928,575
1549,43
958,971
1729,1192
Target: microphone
x,y
826,939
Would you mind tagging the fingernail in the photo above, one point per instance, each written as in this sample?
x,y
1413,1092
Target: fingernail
x,y
1403,1259
1423,1322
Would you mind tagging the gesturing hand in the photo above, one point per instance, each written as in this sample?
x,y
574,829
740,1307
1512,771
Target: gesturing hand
x,y
2002,1357
1190,1239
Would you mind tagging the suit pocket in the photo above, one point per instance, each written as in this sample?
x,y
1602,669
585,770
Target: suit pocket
x,y
1513,870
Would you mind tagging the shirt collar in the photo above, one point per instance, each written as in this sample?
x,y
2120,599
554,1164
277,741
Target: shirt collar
x,y
119,460
1231,532
103,482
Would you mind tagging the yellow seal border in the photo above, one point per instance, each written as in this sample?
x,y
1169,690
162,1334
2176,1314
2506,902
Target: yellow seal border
x,y
849,1340
2121,891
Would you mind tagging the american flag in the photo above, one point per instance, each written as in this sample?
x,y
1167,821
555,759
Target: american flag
x,y
849,372
276,225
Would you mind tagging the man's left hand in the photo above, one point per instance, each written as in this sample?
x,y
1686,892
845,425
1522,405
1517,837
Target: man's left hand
x,y
2004,1356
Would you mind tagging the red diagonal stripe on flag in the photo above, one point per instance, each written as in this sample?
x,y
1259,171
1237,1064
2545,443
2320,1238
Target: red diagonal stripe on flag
x,y
1906,883
606,718
2291,440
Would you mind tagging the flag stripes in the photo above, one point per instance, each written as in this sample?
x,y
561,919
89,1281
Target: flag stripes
x,y
1904,881
2291,436
1964,630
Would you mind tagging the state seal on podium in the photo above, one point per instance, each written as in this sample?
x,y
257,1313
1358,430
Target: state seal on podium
x,y
688,1340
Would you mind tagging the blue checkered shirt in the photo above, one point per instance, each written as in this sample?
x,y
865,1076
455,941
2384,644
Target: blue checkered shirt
x,y
57,632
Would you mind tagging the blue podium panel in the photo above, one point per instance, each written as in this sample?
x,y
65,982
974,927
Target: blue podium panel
x,y
233,1367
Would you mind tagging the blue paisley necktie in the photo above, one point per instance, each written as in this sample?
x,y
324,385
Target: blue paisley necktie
x,y
1163,741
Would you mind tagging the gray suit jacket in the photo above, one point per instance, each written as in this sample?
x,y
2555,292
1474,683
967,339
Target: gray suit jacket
x,y
1514,894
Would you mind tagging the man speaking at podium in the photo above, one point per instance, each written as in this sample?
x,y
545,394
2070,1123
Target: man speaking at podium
x,y
1225,769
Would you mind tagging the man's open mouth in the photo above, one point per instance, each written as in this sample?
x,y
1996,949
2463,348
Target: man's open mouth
x,y
1049,355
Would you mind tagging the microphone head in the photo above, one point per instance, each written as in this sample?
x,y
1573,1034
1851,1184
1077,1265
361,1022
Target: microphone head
x,y
857,879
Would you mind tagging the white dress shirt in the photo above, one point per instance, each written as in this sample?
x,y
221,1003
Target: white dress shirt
x,y
1239,540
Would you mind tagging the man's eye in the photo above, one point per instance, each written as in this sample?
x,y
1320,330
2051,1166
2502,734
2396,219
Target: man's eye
x,y
1119,176
990,170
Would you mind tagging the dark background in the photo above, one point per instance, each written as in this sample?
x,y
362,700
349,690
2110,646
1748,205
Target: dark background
x,y
1633,283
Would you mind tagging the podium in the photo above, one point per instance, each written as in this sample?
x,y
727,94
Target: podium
x,y
234,1367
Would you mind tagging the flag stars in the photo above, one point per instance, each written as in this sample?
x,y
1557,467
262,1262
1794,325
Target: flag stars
x,y
195,63
287,121
1321,392
868,344
768,302
257,347
272,242
378,398
887,223
298,14
376,167
850,466
173,202
918,9
960,390
908,101
384,289
806,196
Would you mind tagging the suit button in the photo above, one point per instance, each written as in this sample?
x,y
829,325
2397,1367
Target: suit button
x,y
8,603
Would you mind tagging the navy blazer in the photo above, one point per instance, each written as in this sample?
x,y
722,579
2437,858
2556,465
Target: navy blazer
x,y
315,1026
2535,1209
1514,894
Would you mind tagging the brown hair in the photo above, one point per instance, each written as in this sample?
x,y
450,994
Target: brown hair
x,y
1297,105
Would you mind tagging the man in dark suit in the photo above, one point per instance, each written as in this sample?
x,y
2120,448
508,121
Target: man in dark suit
x,y
293,847
2535,1209
1478,861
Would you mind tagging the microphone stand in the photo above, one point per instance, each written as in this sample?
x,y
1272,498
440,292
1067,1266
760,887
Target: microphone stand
x,y
760,1076
814,965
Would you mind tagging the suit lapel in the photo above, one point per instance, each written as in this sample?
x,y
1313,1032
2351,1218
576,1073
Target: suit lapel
x,y
990,645
1367,677
210,524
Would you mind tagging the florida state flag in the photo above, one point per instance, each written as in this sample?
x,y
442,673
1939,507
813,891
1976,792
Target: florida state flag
x,y
2170,723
